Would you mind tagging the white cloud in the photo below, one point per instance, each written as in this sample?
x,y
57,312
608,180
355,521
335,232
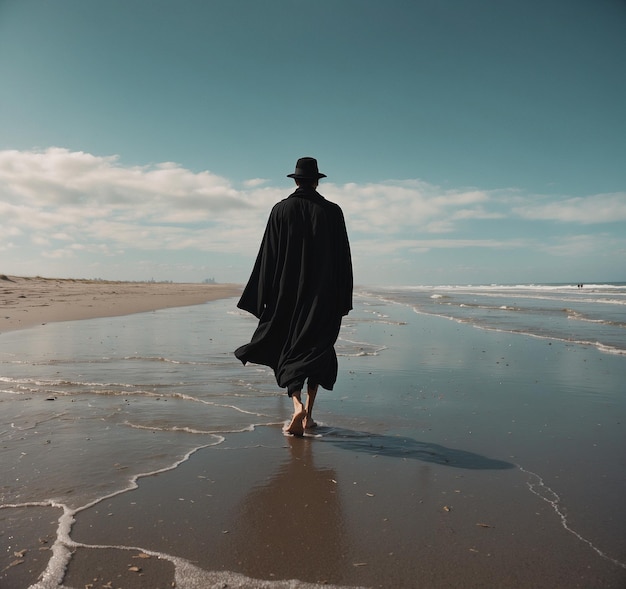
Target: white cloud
x,y
60,204
255,182
62,236
58,254
597,208
584,245
393,206
57,194
391,246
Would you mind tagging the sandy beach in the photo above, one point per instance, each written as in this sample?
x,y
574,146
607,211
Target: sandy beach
x,y
27,302
32,301
136,452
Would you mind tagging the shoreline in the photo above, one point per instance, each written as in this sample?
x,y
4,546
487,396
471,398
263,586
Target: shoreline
x,y
151,458
31,301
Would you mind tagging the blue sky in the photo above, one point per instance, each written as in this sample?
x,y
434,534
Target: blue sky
x,y
467,142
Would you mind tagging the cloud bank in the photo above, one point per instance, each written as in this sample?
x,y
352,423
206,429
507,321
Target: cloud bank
x,y
57,204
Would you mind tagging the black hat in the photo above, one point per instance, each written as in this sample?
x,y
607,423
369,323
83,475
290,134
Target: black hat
x,y
306,168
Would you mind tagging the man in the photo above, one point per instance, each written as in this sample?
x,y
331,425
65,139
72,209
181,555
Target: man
x,y
300,288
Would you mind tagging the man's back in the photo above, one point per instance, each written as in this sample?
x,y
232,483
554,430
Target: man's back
x,y
312,259
300,288
304,255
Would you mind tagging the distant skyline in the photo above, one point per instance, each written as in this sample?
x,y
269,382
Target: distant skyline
x,y
467,142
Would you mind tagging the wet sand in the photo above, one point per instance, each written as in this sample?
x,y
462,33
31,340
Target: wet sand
x,y
263,509
27,302
32,301
349,508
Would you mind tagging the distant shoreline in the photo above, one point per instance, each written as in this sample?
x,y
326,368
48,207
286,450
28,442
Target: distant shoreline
x,y
30,301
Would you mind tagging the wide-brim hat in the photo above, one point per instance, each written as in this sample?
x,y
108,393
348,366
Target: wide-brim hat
x,y
306,168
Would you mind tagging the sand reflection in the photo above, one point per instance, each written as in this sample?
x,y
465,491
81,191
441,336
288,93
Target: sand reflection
x,y
280,521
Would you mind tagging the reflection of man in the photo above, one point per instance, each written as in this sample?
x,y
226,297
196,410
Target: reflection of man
x,y
300,288
270,534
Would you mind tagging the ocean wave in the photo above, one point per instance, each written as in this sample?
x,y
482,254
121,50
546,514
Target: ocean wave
x,y
603,294
528,331
619,287
564,297
579,316
187,429
596,320
358,349
605,348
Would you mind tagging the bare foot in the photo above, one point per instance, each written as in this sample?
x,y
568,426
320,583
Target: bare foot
x,y
296,427
310,401
309,423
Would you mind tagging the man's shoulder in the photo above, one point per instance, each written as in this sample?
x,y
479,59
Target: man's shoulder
x,y
331,206
313,199
283,204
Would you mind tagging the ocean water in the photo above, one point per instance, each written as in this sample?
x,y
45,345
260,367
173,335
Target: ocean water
x,y
526,377
593,314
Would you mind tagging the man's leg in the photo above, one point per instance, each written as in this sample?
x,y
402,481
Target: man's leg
x,y
296,426
310,401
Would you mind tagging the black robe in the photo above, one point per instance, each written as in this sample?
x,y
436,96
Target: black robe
x,y
300,287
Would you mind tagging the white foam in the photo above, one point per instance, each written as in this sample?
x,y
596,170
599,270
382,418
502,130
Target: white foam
x,y
617,287
186,575
605,348
539,488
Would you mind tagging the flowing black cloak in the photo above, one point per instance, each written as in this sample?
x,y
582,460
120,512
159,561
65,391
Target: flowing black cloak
x,y
300,287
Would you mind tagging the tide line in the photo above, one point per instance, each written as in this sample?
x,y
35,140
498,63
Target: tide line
x,y
62,549
547,494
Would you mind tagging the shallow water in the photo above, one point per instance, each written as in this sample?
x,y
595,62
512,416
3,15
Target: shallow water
x,y
88,407
593,314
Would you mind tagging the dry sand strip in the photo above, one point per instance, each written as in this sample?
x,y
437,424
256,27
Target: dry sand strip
x,y
27,302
